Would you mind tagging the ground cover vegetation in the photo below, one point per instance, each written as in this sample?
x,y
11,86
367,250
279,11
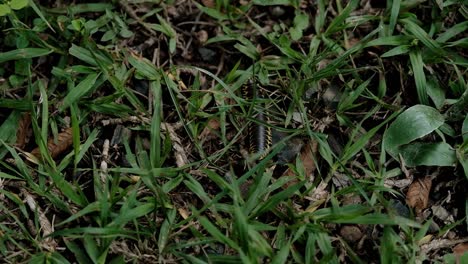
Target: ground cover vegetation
x,y
129,131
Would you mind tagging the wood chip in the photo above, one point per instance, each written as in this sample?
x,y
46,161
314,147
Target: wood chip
x,y
64,141
417,196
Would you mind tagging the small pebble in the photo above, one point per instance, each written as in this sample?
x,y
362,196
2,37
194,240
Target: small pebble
x,y
351,233
277,11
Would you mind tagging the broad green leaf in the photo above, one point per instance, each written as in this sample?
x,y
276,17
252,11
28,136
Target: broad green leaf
x,y
465,129
91,248
452,32
20,104
396,51
212,12
395,11
132,214
216,233
26,53
106,231
414,123
4,10
428,154
155,131
247,51
8,131
77,250
166,230
337,23
277,199
144,67
78,91
272,2
82,8
18,4
390,41
40,14
94,58
435,92
296,33
422,35
90,208
109,35
166,27
301,21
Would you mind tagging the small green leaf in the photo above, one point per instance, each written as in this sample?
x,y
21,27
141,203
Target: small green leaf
x,y
414,123
296,33
78,91
399,50
301,21
18,4
166,27
172,45
272,2
125,33
109,35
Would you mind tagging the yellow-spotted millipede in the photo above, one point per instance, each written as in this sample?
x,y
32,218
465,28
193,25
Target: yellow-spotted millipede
x,y
259,135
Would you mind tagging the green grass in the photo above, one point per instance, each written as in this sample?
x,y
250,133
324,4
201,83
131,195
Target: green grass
x,y
381,89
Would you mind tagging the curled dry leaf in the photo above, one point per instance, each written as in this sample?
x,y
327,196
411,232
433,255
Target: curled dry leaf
x,y
64,141
417,196
23,134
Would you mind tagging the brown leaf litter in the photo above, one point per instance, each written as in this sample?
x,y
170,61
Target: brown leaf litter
x,y
57,147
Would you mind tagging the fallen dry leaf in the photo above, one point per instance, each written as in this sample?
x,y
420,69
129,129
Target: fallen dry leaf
x,y
23,134
307,158
64,141
460,250
417,196
208,3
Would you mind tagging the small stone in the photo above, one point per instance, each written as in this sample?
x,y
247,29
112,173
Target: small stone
x,y
207,54
277,11
202,36
351,233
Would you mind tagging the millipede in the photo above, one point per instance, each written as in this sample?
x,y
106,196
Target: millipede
x,y
259,135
